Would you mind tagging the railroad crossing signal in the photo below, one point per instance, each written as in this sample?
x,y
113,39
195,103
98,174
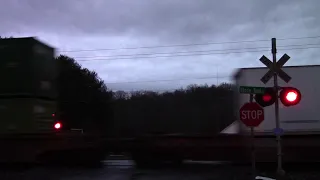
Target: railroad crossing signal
x,y
289,96
275,68
251,114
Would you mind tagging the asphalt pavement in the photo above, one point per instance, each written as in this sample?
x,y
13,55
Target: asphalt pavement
x,y
126,170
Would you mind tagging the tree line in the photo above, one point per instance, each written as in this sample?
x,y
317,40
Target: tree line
x,y
84,101
204,110
88,103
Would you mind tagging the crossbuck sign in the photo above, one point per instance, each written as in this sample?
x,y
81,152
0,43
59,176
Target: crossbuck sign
x,y
275,68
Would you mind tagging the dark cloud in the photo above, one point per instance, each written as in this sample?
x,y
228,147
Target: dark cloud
x,y
167,18
98,24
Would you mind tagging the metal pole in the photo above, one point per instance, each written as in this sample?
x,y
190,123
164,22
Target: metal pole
x,y
276,107
253,156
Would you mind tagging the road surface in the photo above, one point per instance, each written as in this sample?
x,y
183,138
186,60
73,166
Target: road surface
x,y
125,170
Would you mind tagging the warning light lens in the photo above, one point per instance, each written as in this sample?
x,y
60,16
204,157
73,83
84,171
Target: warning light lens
x,y
266,97
291,96
57,125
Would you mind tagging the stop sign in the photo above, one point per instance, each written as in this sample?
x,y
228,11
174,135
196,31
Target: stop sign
x,y
251,114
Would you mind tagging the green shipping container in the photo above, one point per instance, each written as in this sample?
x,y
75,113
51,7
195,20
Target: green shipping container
x,y
26,116
28,93
27,67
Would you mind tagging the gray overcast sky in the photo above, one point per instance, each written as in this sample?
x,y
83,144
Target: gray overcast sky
x,y
104,24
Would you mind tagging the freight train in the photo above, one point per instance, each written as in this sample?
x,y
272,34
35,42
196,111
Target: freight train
x,y
32,129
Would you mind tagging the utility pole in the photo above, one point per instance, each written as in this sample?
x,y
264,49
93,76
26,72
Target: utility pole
x,y
280,171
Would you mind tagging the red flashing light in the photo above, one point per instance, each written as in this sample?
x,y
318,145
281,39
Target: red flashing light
x,y
266,97
290,96
57,125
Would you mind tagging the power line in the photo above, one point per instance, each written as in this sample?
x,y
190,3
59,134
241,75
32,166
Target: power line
x,y
165,46
178,55
195,54
295,45
167,80
294,38
300,48
178,52
171,80
202,51
184,45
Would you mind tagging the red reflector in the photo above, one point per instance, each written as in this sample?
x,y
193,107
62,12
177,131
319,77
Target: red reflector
x,y
57,126
266,97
